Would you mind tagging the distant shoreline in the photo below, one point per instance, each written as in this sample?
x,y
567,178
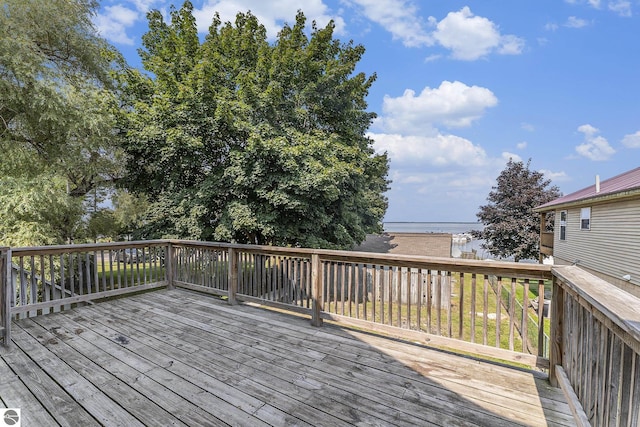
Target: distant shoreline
x,y
431,227
431,222
450,227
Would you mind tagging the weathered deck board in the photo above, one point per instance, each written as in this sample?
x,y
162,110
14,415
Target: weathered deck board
x,y
180,358
395,384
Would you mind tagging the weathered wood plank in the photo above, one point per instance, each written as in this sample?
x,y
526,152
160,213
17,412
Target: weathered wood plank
x,y
292,348
15,394
581,419
227,403
496,380
56,340
58,388
288,366
206,360
132,373
240,365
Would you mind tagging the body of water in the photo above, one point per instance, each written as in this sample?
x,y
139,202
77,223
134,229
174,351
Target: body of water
x,y
432,227
443,227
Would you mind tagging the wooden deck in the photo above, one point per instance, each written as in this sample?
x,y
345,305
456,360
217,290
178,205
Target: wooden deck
x,y
175,357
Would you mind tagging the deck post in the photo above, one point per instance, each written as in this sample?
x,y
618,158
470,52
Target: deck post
x,y
233,276
316,290
543,228
169,265
6,281
556,343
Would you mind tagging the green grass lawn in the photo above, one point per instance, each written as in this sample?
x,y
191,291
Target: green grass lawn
x,y
122,274
456,320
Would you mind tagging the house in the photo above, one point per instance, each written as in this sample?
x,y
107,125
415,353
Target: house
x,y
598,229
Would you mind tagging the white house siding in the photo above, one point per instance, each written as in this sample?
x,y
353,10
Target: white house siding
x,y
610,249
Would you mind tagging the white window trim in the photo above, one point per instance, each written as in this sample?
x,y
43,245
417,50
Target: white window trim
x,y
585,214
563,225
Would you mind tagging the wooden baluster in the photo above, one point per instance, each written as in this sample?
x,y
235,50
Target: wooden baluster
x,y
473,307
556,344
316,281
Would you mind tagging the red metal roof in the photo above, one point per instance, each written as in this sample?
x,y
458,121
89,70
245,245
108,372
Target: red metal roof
x,y
624,182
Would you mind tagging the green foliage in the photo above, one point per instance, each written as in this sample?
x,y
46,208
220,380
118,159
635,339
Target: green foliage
x,y
512,228
238,139
128,214
37,211
56,125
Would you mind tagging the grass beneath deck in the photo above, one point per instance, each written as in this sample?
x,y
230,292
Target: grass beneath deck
x,y
123,274
457,320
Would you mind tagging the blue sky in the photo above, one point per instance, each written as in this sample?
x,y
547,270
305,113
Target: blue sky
x,y
465,85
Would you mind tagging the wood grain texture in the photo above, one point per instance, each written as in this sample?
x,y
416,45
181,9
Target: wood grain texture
x,y
177,357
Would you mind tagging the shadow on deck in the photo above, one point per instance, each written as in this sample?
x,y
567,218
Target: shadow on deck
x,y
176,357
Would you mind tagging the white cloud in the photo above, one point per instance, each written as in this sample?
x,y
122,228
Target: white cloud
x,y
506,156
458,170
453,104
144,6
113,22
555,176
522,145
593,3
451,185
595,147
511,45
432,58
400,18
437,150
551,26
632,140
588,130
467,36
471,37
527,126
621,7
573,22
270,14
542,41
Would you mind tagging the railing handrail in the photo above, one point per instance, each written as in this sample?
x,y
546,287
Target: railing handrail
x,y
513,269
497,268
5,286
595,346
83,247
617,305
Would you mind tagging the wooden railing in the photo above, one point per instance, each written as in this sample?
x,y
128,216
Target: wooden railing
x,y
41,280
595,349
5,304
479,307
484,307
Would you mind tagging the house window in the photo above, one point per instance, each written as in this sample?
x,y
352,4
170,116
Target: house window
x,y
563,225
585,219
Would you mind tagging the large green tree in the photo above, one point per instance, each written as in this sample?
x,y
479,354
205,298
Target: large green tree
x,y
511,227
238,139
56,129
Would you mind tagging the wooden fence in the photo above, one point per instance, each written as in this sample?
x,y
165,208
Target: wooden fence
x,y
41,280
595,348
447,302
